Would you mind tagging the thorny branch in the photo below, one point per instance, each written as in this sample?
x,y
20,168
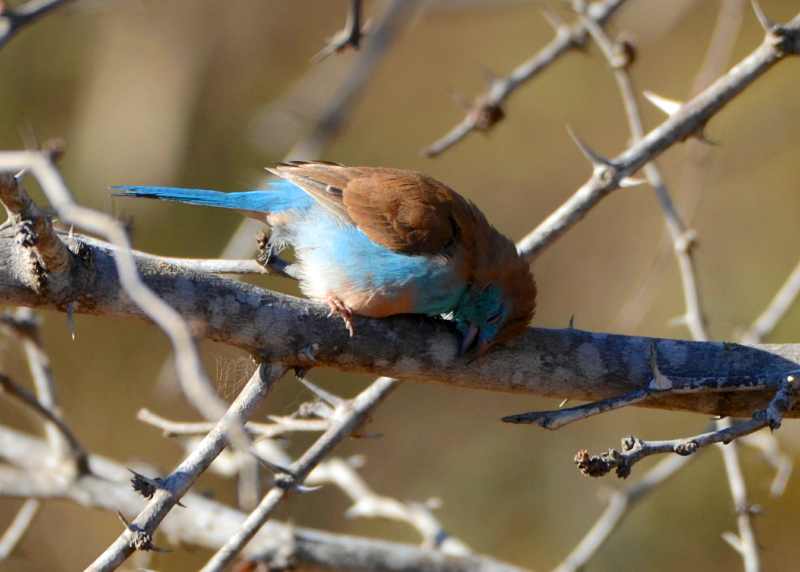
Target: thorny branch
x,y
635,449
330,122
621,56
208,523
619,506
745,543
781,40
350,36
690,118
346,417
138,536
338,472
487,109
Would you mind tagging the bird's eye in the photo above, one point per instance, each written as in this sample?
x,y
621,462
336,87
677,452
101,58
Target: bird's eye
x,y
494,318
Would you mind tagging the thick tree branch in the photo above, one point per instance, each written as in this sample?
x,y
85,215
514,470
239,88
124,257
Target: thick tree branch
x,y
555,363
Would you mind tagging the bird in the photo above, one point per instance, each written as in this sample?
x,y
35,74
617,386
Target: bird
x,y
378,241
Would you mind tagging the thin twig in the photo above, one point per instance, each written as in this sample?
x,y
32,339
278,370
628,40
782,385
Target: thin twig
x,y
273,266
767,444
25,324
745,543
715,61
487,109
659,386
26,398
348,37
349,416
191,374
367,503
776,310
18,527
281,426
619,506
635,449
620,57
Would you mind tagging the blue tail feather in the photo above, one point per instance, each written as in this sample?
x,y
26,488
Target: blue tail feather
x,y
282,196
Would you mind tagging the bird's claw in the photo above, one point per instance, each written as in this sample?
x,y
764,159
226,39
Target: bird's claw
x,y
339,308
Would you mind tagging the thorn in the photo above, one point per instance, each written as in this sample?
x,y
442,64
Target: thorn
x,y
460,100
678,321
555,21
596,159
659,381
71,233
668,106
278,470
563,402
628,182
703,138
288,482
732,540
766,23
122,519
433,503
571,324
304,489
325,396
356,461
489,75
373,435
71,320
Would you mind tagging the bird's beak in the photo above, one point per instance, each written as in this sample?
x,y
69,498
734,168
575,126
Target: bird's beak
x,y
468,340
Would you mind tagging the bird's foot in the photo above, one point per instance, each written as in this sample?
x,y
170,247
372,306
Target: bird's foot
x,y
266,250
339,308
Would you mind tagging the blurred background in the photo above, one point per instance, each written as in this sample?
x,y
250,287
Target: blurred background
x,y
206,93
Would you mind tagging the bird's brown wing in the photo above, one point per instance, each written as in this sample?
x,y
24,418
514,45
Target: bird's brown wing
x,y
404,211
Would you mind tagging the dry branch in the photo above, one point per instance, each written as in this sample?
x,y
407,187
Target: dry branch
x,y
140,532
691,118
209,524
565,363
487,109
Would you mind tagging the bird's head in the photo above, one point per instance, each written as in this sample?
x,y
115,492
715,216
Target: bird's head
x,y
499,303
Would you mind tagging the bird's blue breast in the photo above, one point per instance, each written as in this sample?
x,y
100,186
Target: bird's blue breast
x,y
337,257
